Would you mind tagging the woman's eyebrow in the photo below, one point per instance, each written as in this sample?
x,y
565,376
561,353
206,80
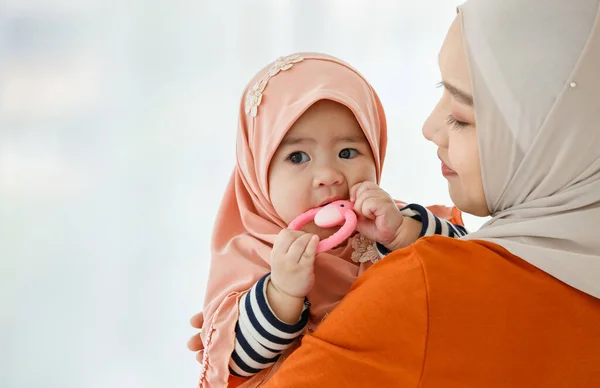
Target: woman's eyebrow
x,y
460,95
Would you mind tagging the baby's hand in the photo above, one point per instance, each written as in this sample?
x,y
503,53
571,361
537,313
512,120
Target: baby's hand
x,y
292,262
379,218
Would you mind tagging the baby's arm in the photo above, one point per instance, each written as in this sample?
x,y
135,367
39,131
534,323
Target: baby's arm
x,y
431,224
275,311
422,222
233,278
392,228
260,336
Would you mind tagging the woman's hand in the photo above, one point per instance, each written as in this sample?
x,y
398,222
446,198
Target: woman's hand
x,y
195,343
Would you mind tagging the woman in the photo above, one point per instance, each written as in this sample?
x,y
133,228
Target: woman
x,y
518,303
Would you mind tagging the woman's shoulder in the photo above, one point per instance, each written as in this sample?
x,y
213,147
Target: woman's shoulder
x,y
468,273
480,278
470,258
431,254
450,254
454,264
486,302
449,247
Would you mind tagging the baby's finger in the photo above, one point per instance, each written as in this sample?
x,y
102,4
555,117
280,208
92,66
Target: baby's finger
x,y
359,199
308,257
359,205
359,188
298,247
353,191
284,240
366,187
369,207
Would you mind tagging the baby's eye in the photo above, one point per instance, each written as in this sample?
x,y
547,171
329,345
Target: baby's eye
x,y
348,153
298,157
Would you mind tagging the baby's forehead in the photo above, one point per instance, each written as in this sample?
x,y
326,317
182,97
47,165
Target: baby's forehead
x,y
327,117
326,123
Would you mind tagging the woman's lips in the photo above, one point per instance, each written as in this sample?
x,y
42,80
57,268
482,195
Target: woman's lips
x,y
447,171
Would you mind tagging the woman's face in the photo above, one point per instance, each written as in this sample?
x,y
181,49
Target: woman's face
x,y
451,126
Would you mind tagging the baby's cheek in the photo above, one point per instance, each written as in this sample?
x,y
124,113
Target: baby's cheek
x,y
366,173
282,207
292,205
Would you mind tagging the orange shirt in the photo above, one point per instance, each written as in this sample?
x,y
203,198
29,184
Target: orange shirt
x,y
447,313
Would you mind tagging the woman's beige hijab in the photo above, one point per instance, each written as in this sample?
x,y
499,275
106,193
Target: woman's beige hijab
x,y
535,68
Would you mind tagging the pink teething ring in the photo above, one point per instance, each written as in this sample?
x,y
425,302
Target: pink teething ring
x,y
333,214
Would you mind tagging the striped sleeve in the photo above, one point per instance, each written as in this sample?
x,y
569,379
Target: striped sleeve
x,y
431,225
261,337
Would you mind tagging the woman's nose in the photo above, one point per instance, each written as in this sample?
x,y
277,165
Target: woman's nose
x,y
435,128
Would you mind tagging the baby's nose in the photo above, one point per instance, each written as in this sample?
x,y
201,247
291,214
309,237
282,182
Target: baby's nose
x,y
328,177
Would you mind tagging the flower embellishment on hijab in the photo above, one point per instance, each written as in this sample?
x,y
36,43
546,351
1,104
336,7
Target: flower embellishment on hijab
x,y
364,250
254,96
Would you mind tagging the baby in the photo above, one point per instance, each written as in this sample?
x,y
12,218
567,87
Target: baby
x,y
311,131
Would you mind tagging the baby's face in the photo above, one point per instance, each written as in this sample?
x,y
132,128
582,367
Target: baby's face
x,y
323,154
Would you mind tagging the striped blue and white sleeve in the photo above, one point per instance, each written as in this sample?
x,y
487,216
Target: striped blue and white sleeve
x,y
431,225
261,337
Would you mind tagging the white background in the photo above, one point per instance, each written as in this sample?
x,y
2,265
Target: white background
x,y
117,128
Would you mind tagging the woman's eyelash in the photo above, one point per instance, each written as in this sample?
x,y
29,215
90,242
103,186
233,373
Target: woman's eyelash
x,y
455,123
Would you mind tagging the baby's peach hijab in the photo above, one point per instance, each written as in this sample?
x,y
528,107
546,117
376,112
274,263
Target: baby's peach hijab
x,y
247,224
